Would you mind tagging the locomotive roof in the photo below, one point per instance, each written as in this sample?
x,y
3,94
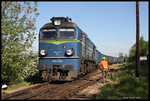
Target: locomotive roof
x,y
64,24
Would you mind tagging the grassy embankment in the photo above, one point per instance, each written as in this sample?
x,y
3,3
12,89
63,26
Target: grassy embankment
x,y
25,83
125,85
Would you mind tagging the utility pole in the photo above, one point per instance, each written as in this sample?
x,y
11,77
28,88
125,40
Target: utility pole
x,y
137,41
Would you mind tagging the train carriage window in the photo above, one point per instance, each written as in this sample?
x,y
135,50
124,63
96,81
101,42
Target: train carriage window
x,y
67,33
48,34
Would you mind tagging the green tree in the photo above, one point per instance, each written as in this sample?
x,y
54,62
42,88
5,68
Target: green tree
x,y
143,49
31,68
17,35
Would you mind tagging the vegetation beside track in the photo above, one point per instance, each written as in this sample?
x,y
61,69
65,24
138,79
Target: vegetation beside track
x,y
125,85
18,85
24,83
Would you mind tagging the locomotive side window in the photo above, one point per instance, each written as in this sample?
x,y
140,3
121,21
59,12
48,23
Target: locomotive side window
x,y
66,33
48,34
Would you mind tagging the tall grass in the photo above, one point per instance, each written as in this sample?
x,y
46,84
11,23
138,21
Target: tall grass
x,y
128,86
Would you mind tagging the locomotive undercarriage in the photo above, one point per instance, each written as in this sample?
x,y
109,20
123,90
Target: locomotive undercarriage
x,y
58,74
86,67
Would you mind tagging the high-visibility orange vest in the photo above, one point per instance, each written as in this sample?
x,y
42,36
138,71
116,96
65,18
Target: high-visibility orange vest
x,y
104,64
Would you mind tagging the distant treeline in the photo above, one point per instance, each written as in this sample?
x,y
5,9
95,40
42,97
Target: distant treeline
x,y
144,51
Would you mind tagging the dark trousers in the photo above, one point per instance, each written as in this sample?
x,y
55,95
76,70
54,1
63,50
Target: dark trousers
x,y
104,74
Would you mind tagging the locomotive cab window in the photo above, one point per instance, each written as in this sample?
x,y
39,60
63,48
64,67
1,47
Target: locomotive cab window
x,y
67,33
48,34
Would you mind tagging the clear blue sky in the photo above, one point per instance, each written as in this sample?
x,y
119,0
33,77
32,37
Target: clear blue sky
x,y
110,25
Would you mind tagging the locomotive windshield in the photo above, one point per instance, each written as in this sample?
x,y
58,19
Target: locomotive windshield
x,y
48,34
59,34
67,33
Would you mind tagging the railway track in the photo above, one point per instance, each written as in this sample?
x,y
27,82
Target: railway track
x,y
21,93
54,91
71,91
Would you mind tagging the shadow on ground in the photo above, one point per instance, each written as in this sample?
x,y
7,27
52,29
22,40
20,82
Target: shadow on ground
x,y
34,79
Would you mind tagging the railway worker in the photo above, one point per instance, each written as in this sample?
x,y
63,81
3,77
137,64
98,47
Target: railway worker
x,y
105,68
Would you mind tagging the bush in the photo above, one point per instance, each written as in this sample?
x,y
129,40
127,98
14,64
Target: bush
x,y
128,85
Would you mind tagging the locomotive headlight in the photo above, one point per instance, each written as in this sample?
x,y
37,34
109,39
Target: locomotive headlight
x,y
69,52
43,52
57,22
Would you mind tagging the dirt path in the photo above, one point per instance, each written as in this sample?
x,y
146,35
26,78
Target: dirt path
x,y
92,91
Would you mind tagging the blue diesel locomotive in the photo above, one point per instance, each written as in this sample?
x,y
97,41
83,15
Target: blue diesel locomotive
x,y
65,51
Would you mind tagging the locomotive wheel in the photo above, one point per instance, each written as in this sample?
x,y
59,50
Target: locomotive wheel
x,y
45,75
87,67
40,73
82,69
